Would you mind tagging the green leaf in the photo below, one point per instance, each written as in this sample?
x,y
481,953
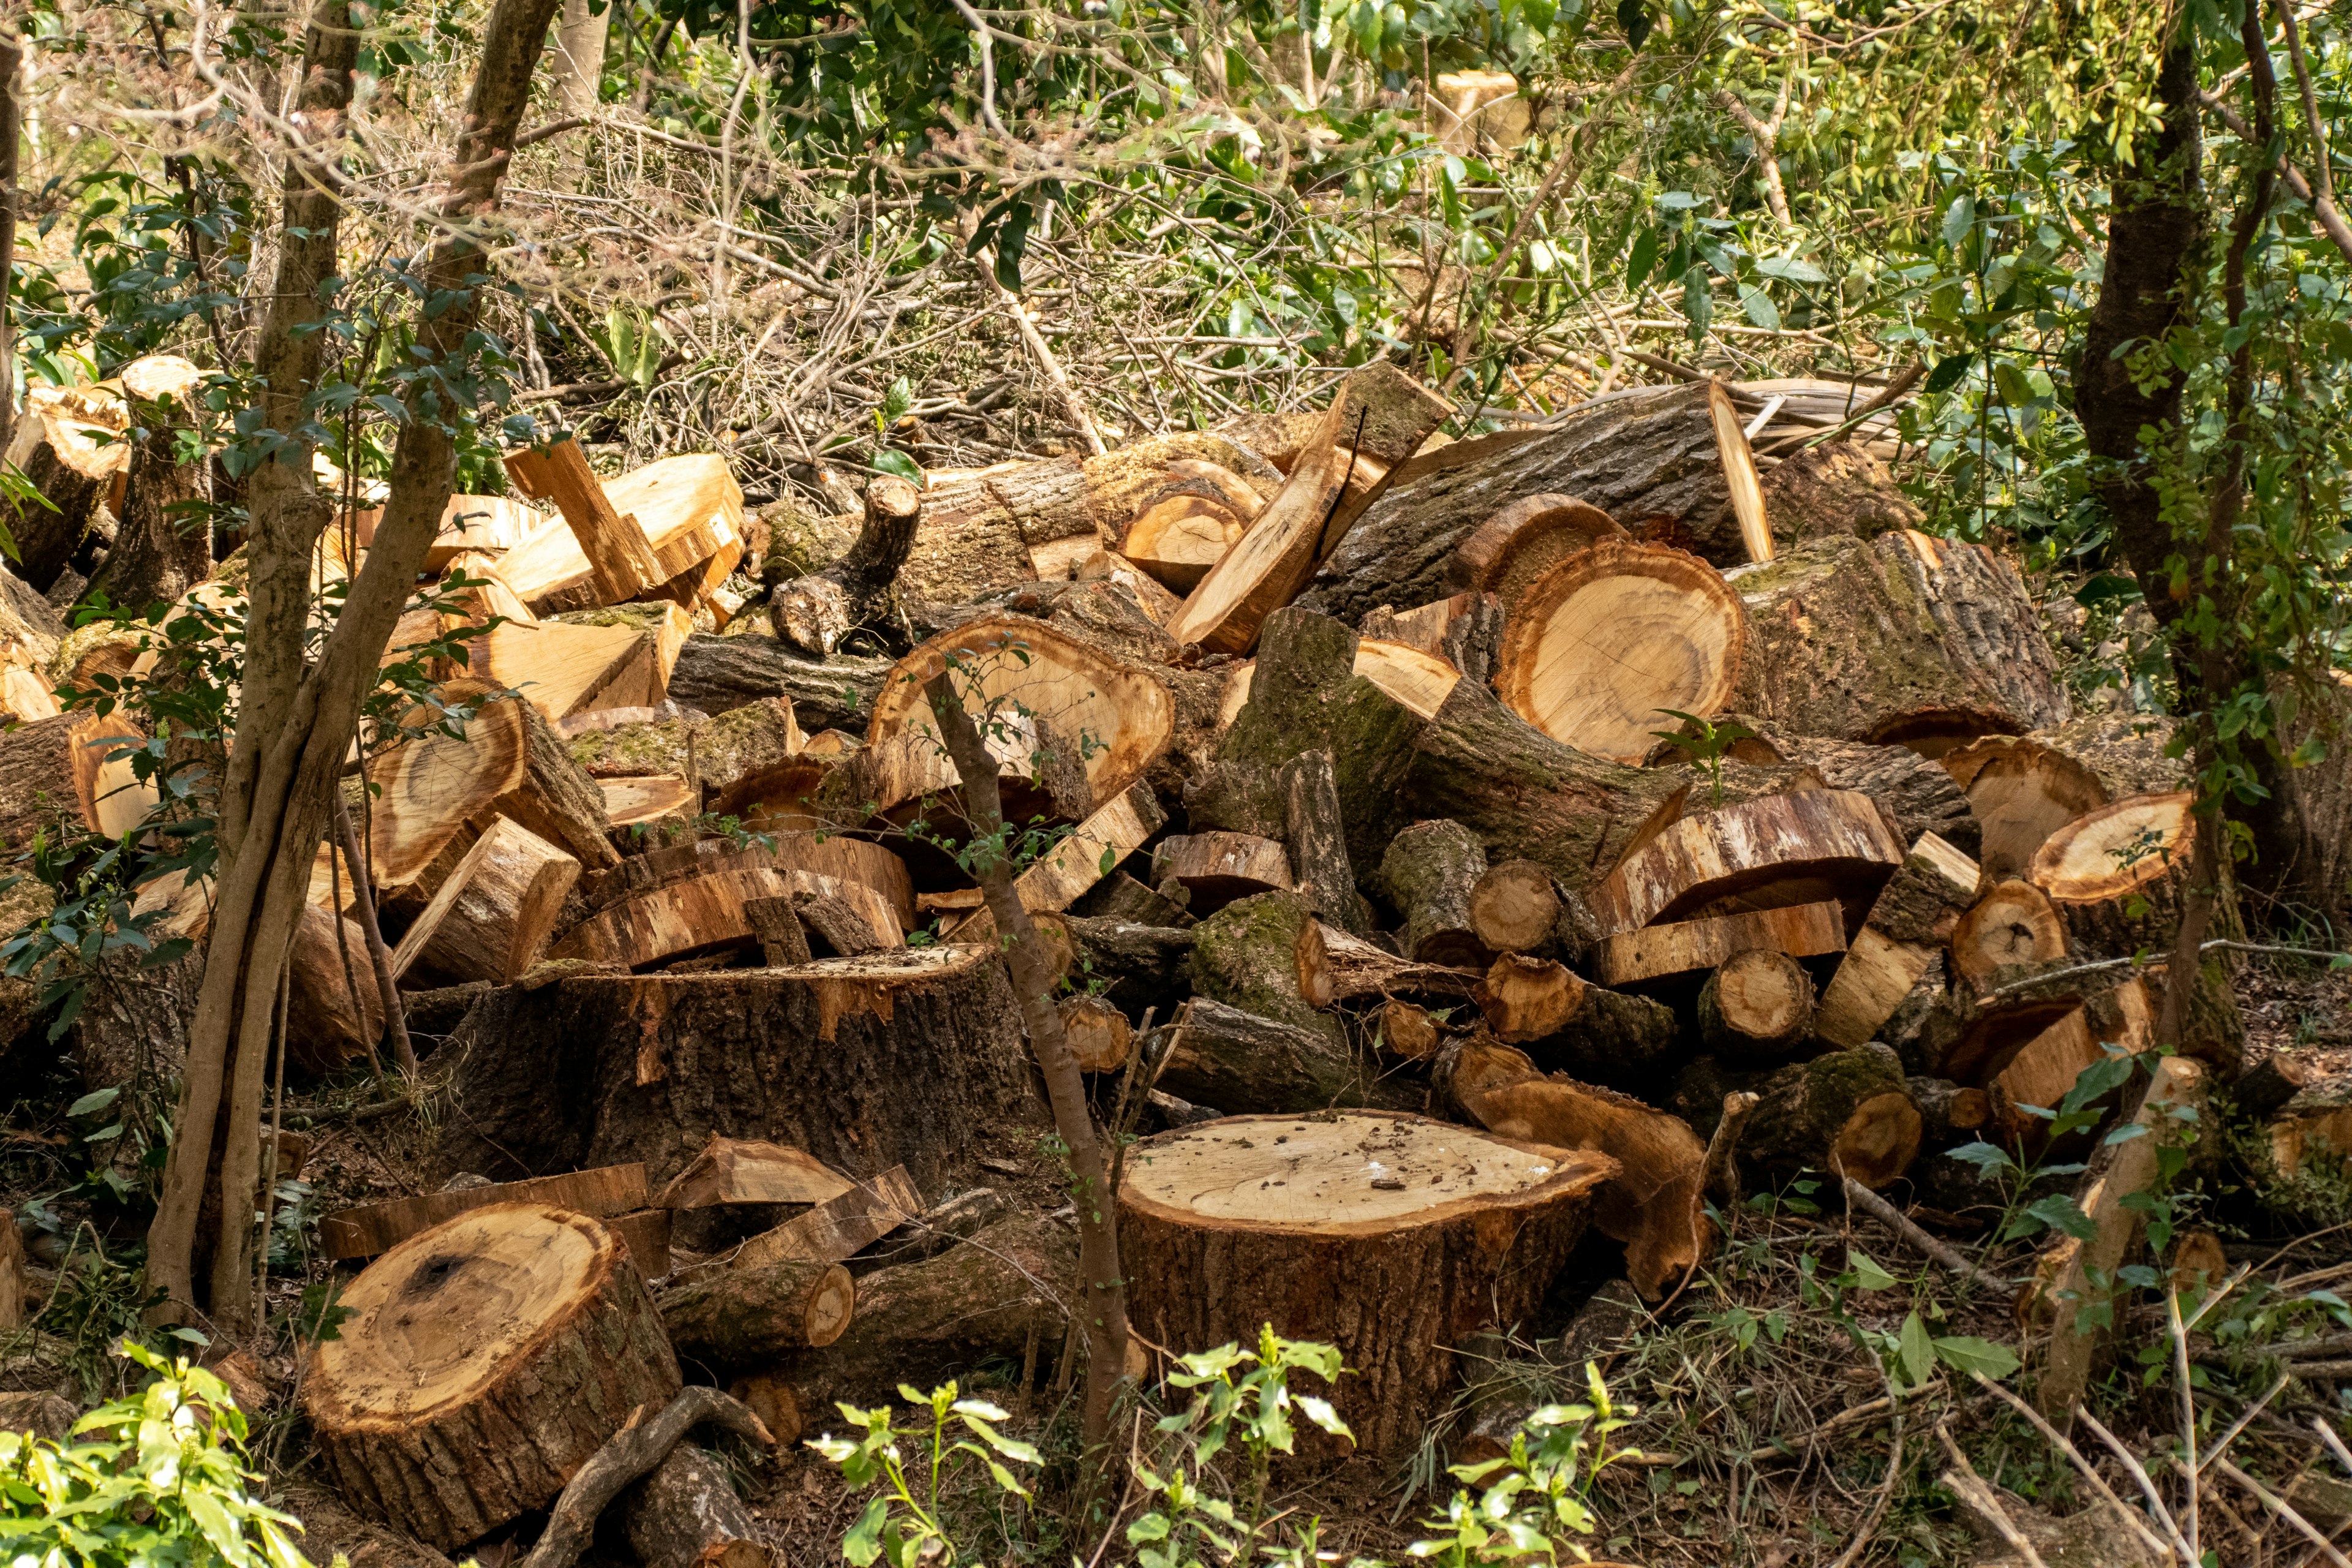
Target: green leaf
x,y
1967,1353
93,1103
863,1544
1698,304
1916,1349
1758,306
1644,257
887,461
1949,371
1958,218
2059,1212
1633,17
1867,1274
1151,1527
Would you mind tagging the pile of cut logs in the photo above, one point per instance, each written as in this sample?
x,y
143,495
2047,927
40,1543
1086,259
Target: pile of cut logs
x,y
1457,844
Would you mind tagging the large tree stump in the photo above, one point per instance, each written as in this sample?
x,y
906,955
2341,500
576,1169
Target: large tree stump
x,y
912,1057
1902,639
1394,1237
484,1363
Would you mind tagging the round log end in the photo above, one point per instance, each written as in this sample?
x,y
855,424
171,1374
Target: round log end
x,y
1879,1140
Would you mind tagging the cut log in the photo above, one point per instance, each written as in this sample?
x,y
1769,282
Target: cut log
x,y
748,1171
1845,1113
2118,877
776,925
491,918
2035,1075
1902,640
704,913
1407,1030
1242,1063
1375,423
1568,1025
1740,473
1428,875
1186,526
1054,882
618,554
2076,1276
738,1317
1336,967
1687,947
1116,713
1835,488
1099,1035
429,788
911,1057
2020,793
1505,554
1757,1007
326,1024
647,800
689,510
824,855
1909,922
67,447
2272,1082
815,612
2013,923
1317,835
1465,631
716,674
1513,907
1950,1113
687,1515
12,1293
1218,867
1647,454
1599,648
1920,795
1392,1237
1762,854
841,1227
64,767
600,1194
1652,1203
482,1363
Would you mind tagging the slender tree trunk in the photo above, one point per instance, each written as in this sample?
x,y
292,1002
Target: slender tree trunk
x,y
1104,1310
12,79
580,57
295,725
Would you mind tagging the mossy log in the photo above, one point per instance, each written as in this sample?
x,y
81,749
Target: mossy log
x,y
1845,1112
1427,875
1240,1063
715,674
1249,955
1567,1024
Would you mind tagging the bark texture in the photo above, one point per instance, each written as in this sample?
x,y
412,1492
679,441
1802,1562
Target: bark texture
x,y
715,674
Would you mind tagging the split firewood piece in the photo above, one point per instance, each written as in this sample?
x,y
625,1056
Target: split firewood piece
x,y
776,923
620,556
1513,907
1399,1221
601,1194
1903,639
61,766
2074,1273
1846,1112
2118,878
1567,1024
1218,867
1099,1035
1117,715
2013,924
327,1024
1113,832
492,918
481,526
1242,1063
704,913
646,1233
429,788
747,1314
1950,1113
1334,966
1688,947
642,800
1652,1201
687,1515
689,509
2272,1082
748,1171
1416,681
564,669
1505,554
2020,793
488,596
814,613
1185,526
1317,835
2036,1075
12,1291
1107,565
1428,875
839,1227
821,853
834,925
482,1363
1406,1029
1909,922
1740,473
1380,417
1603,644
1465,631
1759,853
1758,1006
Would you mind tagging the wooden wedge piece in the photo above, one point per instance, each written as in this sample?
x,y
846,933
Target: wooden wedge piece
x,y
1597,648
619,555
364,1232
1909,922
839,1226
750,1171
492,918
1739,472
1218,867
1687,947
647,799
1334,966
1063,873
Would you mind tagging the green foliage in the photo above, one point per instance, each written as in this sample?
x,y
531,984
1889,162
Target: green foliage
x,y
1704,742
159,1478
904,1525
1538,1497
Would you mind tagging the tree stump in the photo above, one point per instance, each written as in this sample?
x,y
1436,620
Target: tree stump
x,y
1602,646
1394,1237
911,1057
484,1362
1758,1006
2118,877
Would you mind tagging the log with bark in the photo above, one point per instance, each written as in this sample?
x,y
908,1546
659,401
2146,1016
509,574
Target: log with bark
x,y
63,769
705,913
685,1514
1392,1237
1601,648
1215,868
1902,639
1336,967
162,546
1833,489
1688,947
1652,1203
2118,879
1900,941
1514,908
740,1315
1761,854
1239,1062
2013,924
1646,456
716,674
1428,875
1920,794
2023,1083
1317,836
1257,954
1098,1033
911,1057
482,1362
1950,1113
66,446
1757,1007
1845,1113
1505,554
1142,966
601,1194
1185,526
1567,1024
815,612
